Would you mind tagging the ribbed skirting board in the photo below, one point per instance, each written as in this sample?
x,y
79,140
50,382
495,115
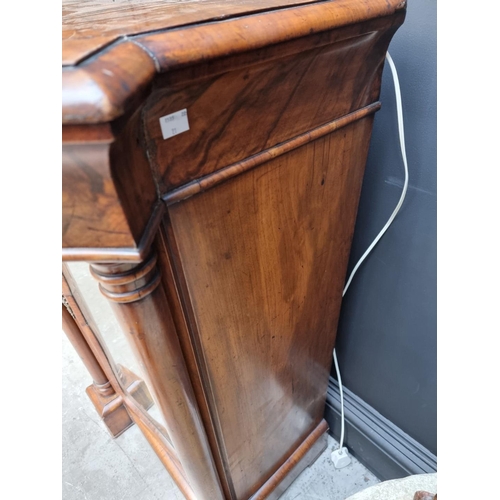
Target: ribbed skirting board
x,y
375,441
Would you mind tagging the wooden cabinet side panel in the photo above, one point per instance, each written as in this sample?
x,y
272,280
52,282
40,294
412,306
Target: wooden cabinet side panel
x,y
247,109
264,258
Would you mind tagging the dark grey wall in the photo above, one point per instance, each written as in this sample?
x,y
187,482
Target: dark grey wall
x,y
387,331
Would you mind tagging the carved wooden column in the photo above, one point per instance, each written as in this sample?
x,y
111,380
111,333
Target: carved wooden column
x,y
101,382
108,404
140,304
106,393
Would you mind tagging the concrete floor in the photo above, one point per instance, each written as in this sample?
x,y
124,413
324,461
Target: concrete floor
x,y
98,467
399,489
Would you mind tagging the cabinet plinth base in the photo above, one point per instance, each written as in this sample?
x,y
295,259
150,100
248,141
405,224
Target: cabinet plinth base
x,y
111,407
304,456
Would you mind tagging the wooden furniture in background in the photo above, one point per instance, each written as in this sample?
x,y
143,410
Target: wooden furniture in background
x,y
223,247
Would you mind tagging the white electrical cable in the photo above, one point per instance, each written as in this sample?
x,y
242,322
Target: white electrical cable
x,y
399,108
342,419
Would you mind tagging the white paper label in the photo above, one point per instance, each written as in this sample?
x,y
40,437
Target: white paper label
x,y
174,123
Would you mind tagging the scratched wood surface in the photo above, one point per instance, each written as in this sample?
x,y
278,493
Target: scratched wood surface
x,y
238,113
91,25
264,257
238,106
103,87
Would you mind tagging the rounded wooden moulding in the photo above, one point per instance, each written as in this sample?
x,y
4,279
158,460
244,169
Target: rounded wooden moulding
x,y
125,283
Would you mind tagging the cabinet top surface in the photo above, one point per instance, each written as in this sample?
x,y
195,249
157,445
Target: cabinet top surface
x,y
112,50
88,26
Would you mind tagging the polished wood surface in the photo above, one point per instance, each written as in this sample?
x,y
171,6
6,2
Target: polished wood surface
x,y
222,175
78,341
90,199
91,25
140,303
88,327
109,195
121,380
108,403
178,299
112,175
264,256
302,457
285,98
110,84
222,249
161,445
104,87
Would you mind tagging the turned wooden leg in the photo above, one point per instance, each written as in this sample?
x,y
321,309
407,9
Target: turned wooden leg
x,y
140,303
108,404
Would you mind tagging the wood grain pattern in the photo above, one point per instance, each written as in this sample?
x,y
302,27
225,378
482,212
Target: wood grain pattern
x,y
211,41
161,445
264,257
156,435
302,457
91,25
250,212
178,299
104,87
81,134
240,113
116,254
108,404
140,304
91,207
203,183
108,86
110,201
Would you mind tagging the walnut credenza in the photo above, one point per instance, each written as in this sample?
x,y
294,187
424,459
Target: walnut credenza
x,y
213,155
